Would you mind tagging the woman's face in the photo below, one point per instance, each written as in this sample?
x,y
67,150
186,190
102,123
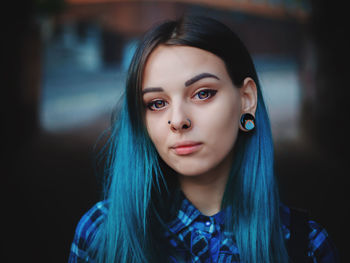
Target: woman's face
x,y
191,89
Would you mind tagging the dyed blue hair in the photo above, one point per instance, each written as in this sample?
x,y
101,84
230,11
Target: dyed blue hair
x,y
138,184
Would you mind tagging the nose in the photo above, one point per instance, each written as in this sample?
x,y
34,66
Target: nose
x,y
184,125
179,121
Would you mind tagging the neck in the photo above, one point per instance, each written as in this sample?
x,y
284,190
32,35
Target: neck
x,y
205,191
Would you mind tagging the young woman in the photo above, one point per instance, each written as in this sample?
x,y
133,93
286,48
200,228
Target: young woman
x,y
190,162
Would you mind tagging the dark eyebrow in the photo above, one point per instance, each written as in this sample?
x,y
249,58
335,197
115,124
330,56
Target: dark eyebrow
x,y
187,83
199,77
157,89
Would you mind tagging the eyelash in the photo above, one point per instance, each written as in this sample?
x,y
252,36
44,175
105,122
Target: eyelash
x,y
210,93
153,103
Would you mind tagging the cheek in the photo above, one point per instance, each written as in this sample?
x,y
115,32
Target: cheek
x,y
157,130
222,117
221,124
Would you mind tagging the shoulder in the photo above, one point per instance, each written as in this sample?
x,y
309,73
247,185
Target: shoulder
x,y
91,220
296,222
86,229
321,246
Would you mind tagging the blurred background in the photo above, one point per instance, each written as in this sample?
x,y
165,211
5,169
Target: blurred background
x,y
65,68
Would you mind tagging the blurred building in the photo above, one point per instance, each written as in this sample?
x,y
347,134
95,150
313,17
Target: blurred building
x,y
256,20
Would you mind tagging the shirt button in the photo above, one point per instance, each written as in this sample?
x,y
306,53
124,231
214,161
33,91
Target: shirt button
x,y
208,223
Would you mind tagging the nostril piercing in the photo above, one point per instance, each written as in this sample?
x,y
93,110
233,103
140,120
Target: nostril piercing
x,y
169,122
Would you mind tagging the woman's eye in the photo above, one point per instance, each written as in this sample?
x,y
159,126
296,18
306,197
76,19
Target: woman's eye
x,y
205,94
156,104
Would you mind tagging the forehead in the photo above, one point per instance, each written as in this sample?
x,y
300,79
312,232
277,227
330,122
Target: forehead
x,y
180,63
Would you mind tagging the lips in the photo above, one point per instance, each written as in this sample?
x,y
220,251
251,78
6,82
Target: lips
x,y
185,148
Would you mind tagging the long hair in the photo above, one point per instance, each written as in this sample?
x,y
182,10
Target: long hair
x,y
138,185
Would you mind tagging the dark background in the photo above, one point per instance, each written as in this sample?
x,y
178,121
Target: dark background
x,y
50,178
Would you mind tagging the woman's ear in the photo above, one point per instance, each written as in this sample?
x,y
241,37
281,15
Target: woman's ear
x,y
249,96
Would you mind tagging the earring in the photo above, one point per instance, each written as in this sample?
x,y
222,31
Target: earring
x,y
247,122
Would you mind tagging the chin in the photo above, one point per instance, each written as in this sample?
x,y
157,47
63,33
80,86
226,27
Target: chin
x,y
190,170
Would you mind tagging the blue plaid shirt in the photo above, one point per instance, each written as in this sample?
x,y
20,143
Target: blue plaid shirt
x,y
200,238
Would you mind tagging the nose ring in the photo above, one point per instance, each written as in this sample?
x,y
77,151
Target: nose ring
x,y
190,123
